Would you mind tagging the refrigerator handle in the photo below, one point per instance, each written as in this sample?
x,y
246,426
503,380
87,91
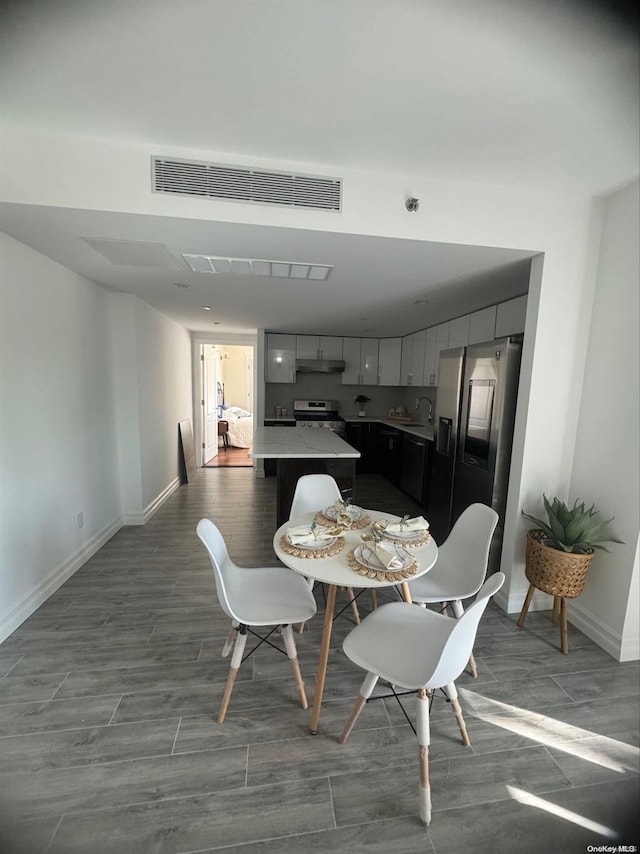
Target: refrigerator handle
x,y
443,440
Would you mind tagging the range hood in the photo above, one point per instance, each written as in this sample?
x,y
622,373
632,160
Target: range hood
x,y
319,366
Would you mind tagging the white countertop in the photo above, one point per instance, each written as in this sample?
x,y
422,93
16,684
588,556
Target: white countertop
x,y
306,444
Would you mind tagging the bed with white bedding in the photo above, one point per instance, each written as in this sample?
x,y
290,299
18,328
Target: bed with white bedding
x,y
240,426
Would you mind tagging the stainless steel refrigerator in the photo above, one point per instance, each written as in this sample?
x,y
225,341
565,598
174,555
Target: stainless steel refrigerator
x,y
473,434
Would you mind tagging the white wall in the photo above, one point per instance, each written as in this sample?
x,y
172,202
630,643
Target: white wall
x,y
152,368
92,387
163,365
57,438
606,466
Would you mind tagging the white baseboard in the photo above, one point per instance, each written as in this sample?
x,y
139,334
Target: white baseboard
x,y
593,628
581,618
55,579
512,603
143,517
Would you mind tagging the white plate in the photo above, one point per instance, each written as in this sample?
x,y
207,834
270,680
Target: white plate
x,y
405,536
368,558
319,544
355,513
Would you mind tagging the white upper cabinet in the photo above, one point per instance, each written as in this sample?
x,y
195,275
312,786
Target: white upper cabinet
x,y
369,361
389,354
330,347
361,361
430,361
482,325
417,357
318,347
459,332
412,360
442,343
307,346
281,358
510,317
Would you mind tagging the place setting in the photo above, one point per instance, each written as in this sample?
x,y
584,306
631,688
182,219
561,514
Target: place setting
x,y
410,532
384,553
313,540
382,561
344,513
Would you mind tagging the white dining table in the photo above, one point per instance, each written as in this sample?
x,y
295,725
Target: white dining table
x,y
335,571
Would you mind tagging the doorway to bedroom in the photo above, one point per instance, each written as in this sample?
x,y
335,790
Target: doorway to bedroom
x,y
227,396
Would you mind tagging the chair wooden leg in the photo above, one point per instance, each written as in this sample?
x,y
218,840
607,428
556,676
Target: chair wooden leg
x,y
452,693
354,605
366,689
556,609
290,646
406,592
422,729
564,629
236,659
525,606
374,598
228,644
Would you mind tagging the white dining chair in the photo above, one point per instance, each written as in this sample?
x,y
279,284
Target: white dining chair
x,y
417,650
462,564
313,493
266,596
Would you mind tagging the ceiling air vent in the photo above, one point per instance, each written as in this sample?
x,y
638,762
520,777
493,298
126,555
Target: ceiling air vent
x,y
216,181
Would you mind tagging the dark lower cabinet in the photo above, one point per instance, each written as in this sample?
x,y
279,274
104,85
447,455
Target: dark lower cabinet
x,y
359,436
415,469
390,449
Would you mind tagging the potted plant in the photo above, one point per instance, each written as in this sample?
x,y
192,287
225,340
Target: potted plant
x,y
361,399
559,552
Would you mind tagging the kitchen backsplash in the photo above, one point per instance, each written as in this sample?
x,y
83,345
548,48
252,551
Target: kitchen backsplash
x,y
328,386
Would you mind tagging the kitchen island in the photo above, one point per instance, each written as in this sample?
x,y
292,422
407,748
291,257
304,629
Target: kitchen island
x,y
304,451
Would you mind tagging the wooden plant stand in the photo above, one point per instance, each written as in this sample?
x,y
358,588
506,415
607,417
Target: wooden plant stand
x,y
560,574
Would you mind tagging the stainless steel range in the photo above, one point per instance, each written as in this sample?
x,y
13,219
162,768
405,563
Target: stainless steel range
x,y
318,413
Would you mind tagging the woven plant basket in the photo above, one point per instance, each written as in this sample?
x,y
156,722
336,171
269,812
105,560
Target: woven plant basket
x,y
552,571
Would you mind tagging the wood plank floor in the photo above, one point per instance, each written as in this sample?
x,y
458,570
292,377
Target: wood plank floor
x,y
109,743
233,457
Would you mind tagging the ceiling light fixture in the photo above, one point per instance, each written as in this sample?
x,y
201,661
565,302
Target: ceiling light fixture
x,y
420,301
181,285
255,267
412,204
206,308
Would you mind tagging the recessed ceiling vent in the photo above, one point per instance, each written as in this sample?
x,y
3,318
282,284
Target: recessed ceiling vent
x,y
236,183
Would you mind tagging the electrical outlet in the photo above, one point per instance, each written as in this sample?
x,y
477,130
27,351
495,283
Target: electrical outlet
x,y
79,520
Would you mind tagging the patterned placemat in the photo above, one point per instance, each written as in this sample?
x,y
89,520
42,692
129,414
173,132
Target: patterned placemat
x,y
381,574
300,551
321,519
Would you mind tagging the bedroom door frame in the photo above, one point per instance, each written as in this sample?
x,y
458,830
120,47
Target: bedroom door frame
x,y
197,342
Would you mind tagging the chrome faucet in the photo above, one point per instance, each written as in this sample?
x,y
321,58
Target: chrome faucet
x,y
430,413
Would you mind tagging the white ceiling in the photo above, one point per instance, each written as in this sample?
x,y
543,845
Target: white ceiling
x,y
501,91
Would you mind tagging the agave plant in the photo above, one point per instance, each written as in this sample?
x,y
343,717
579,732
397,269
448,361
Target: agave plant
x,y
573,529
